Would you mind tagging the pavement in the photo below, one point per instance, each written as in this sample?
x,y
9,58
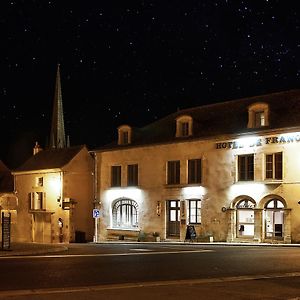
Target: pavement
x,y
32,249
19,249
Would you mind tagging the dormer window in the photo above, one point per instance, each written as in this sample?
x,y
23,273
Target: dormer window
x,y
124,135
184,125
258,115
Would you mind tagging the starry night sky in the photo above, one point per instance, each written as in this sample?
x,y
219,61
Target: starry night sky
x,y
135,61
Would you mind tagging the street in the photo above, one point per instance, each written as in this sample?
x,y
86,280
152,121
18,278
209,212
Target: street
x,y
168,271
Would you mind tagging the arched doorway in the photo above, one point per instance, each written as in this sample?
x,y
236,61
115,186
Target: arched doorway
x,y
274,219
245,218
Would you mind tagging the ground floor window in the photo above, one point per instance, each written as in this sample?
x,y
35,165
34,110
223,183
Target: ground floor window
x,y
194,211
245,218
125,214
274,219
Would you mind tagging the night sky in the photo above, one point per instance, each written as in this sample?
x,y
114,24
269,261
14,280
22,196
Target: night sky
x,y
135,61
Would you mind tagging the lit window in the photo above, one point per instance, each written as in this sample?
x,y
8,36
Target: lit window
x,y
258,115
125,214
274,166
36,201
194,211
116,176
194,171
132,175
274,219
246,167
39,181
173,172
245,218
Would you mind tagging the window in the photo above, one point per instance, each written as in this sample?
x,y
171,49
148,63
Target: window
x,y
194,171
274,219
184,125
115,176
245,218
124,135
36,201
246,167
274,166
132,175
194,211
125,214
173,172
258,115
39,181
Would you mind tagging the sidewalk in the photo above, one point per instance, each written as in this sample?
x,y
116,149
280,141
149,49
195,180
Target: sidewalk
x,y
32,249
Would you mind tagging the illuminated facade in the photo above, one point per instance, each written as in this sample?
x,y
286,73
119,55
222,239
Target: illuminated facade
x,y
55,192
230,169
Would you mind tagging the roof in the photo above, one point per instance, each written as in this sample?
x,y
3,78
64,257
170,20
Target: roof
x,y
50,159
220,119
6,179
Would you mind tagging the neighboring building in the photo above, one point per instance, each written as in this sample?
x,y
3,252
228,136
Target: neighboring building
x,y
230,169
8,199
55,195
54,187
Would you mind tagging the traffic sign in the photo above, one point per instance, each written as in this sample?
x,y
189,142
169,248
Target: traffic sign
x,y
96,213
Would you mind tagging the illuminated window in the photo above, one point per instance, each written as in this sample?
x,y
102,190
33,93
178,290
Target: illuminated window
x,y
125,214
36,201
274,166
194,211
184,125
124,135
258,115
116,176
173,172
274,218
246,167
194,171
132,175
39,181
245,218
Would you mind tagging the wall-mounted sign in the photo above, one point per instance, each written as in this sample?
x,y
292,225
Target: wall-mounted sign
x,y
256,142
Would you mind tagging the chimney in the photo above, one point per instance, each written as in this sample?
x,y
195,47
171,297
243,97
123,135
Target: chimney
x,y
37,148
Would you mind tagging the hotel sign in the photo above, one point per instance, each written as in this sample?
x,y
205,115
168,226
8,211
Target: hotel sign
x,y
256,142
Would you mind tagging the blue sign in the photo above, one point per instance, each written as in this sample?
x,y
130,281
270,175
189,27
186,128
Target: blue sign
x,y
96,213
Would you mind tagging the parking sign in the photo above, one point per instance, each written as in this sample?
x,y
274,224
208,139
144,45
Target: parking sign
x,y
96,213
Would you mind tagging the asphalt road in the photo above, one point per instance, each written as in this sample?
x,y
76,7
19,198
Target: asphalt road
x,y
88,269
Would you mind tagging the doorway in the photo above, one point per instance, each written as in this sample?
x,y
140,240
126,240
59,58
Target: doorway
x,y
173,218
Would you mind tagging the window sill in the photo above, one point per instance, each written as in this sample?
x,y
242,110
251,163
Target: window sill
x,y
273,181
43,211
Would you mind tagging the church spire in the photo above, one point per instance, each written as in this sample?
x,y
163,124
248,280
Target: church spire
x,y
57,135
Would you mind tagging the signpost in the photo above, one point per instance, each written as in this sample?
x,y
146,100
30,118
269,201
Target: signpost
x,y
6,231
96,216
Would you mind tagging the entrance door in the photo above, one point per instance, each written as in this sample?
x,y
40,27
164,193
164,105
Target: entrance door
x,y
173,218
41,228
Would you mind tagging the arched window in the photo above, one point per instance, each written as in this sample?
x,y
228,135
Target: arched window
x,y
258,115
274,218
125,214
245,218
184,126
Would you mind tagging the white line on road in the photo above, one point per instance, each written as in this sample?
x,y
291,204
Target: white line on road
x,y
10,293
106,254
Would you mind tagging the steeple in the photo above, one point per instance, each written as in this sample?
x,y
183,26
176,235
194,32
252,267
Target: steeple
x,y
57,135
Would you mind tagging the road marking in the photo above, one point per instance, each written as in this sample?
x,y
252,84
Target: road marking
x,y
141,250
105,254
99,288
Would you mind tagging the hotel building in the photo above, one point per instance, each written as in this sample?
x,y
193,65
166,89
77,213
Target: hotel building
x,y
231,170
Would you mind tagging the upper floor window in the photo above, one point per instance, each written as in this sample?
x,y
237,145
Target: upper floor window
x,y
173,172
124,135
184,126
39,181
116,176
194,171
258,115
274,166
36,201
246,167
132,175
